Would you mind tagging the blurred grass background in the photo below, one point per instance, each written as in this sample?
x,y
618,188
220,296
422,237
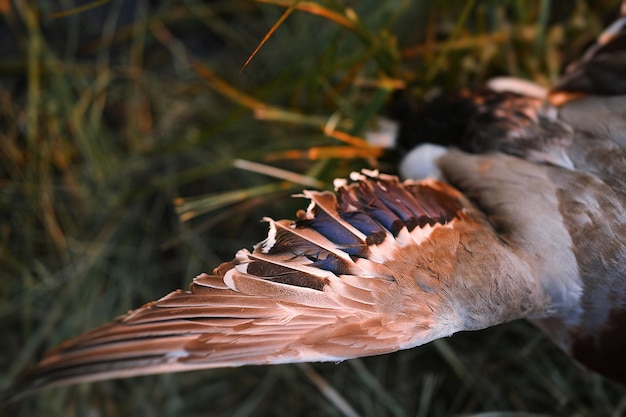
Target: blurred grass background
x,y
119,125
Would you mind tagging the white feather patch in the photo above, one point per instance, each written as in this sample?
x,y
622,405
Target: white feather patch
x,y
421,162
270,241
517,86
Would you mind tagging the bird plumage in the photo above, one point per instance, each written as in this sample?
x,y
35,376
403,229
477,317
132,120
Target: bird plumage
x,y
573,226
573,153
385,267
531,224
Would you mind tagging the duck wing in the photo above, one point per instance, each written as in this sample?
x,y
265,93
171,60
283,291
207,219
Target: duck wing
x,y
379,266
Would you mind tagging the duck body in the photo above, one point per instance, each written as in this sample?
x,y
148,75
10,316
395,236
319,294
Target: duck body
x,y
550,174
